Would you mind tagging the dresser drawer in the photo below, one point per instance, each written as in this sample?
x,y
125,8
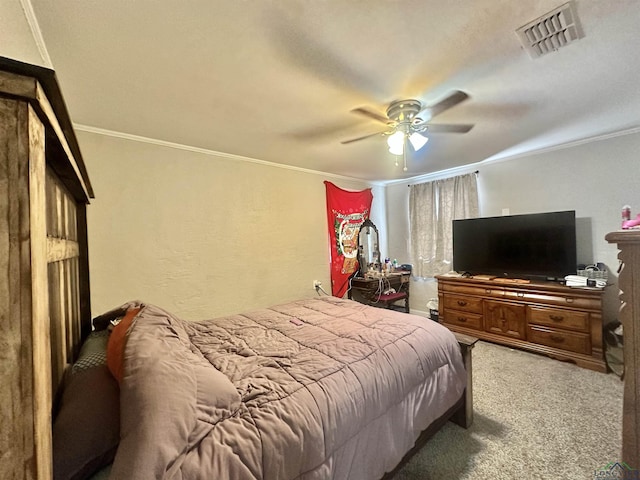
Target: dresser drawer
x,y
552,299
463,319
565,319
484,291
463,303
574,342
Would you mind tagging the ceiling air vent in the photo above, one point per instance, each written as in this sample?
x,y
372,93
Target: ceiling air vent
x,y
551,31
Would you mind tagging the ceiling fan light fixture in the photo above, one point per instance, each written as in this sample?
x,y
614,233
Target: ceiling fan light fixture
x,y
417,140
409,120
396,150
396,142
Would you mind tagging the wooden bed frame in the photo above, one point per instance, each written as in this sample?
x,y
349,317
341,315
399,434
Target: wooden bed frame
x,y
44,289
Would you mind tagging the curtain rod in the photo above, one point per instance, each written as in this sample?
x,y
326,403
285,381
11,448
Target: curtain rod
x,y
477,172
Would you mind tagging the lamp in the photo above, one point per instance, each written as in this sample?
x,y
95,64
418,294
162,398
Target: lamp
x,y
418,141
396,142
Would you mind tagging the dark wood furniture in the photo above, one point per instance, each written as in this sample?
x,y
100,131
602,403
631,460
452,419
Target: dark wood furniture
x,y
44,281
629,282
370,290
464,416
461,413
549,318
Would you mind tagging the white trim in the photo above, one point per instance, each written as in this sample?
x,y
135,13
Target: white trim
x,y
204,151
30,15
461,170
560,146
450,172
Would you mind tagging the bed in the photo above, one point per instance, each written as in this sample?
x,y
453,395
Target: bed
x,y
326,429
313,389
44,281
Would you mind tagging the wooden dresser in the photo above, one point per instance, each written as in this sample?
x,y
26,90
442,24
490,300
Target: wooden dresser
x,y
559,321
629,244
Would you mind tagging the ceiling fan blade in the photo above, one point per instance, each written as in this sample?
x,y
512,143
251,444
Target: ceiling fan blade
x,y
370,114
444,128
344,142
452,100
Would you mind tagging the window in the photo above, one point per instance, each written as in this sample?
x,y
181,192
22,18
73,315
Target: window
x,y
432,208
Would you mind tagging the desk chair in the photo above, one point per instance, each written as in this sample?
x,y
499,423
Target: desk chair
x,y
388,300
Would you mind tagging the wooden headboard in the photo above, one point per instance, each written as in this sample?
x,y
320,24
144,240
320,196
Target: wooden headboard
x,y
44,277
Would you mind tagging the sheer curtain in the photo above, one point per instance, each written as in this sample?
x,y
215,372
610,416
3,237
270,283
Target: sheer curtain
x,y
432,208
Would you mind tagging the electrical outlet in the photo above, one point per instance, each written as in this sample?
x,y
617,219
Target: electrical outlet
x,y
317,284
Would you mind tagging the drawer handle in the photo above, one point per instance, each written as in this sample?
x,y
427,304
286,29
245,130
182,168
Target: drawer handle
x,y
557,339
462,303
462,319
570,300
556,318
520,294
487,290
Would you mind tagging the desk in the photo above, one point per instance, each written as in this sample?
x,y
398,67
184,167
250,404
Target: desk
x,y
369,290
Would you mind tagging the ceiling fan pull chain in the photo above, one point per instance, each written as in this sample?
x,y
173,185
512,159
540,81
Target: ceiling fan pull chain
x,y
404,154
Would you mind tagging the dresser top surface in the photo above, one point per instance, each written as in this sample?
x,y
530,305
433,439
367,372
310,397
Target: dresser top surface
x,y
500,283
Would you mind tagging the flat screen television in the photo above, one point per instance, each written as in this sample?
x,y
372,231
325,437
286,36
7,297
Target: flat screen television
x,y
517,246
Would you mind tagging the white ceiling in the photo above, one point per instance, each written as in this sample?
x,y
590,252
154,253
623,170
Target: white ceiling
x,y
275,80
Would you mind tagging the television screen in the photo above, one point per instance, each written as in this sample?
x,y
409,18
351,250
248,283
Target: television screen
x,y
516,246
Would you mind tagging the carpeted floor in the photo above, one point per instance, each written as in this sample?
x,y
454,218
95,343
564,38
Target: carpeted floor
x,y
535,418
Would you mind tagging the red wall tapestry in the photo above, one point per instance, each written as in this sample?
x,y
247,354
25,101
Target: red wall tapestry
x,y
346,211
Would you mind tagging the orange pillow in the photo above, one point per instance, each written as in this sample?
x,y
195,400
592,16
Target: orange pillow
x,y
117,341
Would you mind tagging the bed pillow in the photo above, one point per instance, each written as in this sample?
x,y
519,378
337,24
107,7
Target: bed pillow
x,y
93,352
86,430
117,341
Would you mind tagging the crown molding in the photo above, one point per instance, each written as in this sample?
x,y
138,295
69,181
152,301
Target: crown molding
x,y
30,15
450,172
463,169
212,153
561,146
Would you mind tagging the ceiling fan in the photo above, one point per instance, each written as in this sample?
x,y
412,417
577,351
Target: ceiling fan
x,y
409,120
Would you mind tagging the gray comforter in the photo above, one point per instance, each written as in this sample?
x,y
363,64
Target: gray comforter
x,y
315,389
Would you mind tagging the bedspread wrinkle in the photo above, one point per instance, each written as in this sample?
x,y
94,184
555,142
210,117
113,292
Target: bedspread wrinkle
x,y
314,389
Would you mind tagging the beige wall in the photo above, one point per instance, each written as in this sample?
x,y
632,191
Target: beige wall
x,y
206,235
16,40
202,235
595,179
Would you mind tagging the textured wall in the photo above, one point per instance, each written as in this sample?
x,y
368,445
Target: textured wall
x,y
204,235
201,235
595,179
